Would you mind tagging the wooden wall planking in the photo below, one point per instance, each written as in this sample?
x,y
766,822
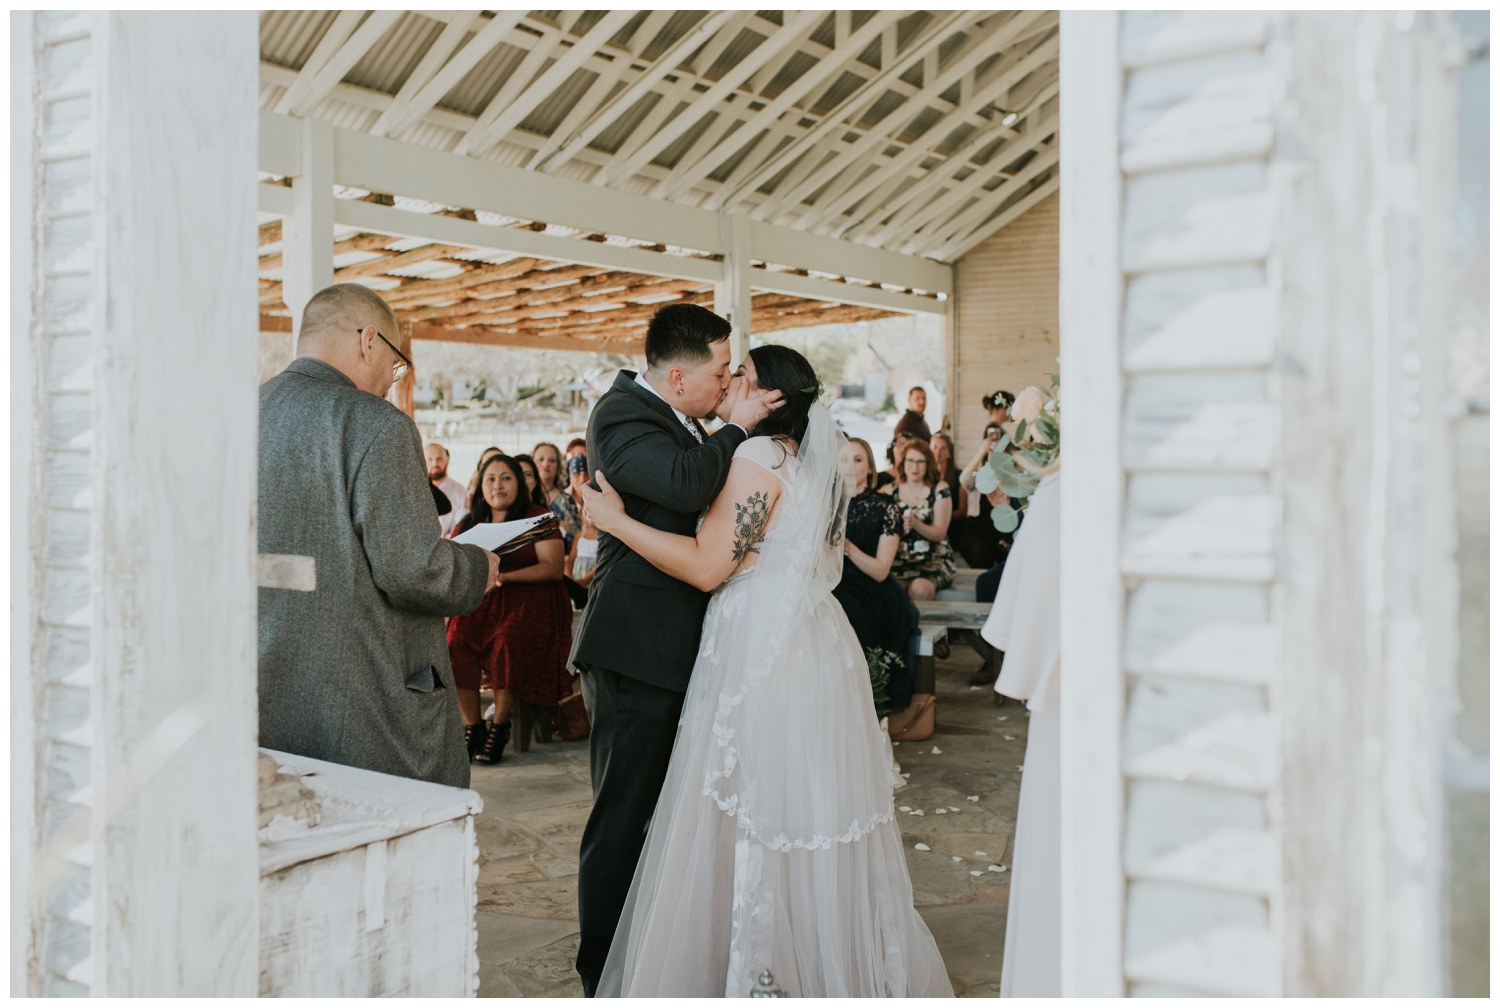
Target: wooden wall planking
x,y
1005,334
135,470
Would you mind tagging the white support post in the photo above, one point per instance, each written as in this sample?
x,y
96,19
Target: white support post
x,y
308,233
732,293
133,473
1092,490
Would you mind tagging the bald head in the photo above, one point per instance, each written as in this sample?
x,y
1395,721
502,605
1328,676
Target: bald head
x,y
350,328
334,313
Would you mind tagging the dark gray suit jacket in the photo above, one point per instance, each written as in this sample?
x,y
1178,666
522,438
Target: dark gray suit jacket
x,y
640,622
357,671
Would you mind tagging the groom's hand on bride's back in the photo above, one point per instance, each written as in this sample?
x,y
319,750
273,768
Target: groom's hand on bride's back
x,y
754,407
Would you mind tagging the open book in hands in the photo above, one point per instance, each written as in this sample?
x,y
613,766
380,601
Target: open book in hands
x,y
507,537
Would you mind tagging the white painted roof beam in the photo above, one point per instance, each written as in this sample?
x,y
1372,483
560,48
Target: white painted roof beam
x,y
389,166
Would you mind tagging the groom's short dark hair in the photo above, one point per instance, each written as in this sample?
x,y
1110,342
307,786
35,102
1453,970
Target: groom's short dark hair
x,y
681,334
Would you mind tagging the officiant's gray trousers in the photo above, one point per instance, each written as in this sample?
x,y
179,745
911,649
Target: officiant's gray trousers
x,y
633,726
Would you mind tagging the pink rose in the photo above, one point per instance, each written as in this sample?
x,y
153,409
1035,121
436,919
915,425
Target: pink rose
x,y
1028,405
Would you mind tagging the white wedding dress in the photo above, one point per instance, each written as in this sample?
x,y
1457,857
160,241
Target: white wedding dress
x,y
774,844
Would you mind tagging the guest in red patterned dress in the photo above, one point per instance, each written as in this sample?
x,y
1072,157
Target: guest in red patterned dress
x,y
516,643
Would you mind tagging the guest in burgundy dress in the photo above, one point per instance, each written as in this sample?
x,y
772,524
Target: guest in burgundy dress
x,y
516,643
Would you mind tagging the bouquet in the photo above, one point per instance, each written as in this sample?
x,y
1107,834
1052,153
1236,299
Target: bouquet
x,y
1021,458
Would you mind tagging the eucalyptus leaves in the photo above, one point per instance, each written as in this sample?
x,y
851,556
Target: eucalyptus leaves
x,y
1022,457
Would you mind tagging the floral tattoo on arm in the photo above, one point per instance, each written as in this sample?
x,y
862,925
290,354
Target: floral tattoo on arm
x,y
750,524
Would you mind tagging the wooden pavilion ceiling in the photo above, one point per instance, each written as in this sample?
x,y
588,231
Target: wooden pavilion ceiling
x,y
921,132
453,293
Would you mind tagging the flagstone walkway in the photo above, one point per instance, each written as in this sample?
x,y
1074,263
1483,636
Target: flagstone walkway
x,y
535,806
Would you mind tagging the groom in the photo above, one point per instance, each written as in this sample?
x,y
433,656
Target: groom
x,y
640,631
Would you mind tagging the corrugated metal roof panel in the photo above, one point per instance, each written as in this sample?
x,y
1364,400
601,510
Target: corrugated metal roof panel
x,y
677,26
669,157
473,93
616,133
556,106
396,54
289,37
743,45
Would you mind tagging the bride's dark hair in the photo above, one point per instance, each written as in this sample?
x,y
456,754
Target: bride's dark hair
x,y
788,372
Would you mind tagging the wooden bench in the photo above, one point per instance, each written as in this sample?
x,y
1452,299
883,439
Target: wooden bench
x,y
954,615
962,588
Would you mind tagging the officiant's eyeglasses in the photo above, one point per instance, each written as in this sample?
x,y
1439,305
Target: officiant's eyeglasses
x,y
398,371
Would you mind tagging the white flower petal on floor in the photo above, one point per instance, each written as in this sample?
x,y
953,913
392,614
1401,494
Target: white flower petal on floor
x,y
917,812
980,853
941,811
905,808
922,846
973,797
976,873
1010,738
957,858
936,751
997,868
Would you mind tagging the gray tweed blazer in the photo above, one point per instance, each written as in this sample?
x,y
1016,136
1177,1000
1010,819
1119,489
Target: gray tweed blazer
x,y
357,671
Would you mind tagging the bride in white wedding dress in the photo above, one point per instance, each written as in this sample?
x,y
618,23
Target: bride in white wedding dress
x,y
774,844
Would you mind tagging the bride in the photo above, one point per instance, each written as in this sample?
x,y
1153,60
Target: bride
x,y
774,844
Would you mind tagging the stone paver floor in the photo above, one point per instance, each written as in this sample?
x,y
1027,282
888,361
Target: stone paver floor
x,y
535,806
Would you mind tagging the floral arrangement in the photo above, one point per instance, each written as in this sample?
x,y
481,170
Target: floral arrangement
x,y
1022,457
880,662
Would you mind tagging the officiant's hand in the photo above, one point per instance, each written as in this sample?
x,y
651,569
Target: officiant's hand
x,y
494,581
603,507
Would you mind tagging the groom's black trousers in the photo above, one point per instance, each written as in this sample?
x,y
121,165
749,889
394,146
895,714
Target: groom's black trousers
x,y
633,726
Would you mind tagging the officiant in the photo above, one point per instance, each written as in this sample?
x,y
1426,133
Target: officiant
x,y
356,671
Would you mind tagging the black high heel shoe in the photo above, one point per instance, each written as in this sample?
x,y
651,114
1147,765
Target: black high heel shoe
x,y
490,752
474,736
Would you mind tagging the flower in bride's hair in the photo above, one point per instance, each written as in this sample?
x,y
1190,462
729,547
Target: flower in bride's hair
x,y
1028,405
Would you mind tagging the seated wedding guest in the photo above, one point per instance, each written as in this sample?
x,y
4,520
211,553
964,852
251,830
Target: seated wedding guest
x,y
942,452
533,483
879,609
484,457
924,563
437,471
584,556
516,643
553,481
355,671
978,541
912,421
585,553
887,479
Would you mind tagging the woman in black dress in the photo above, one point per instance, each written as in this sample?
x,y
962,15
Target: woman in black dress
x,y
879,609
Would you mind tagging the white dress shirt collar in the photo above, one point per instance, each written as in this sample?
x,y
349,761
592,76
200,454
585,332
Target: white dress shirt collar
x,y
640,379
